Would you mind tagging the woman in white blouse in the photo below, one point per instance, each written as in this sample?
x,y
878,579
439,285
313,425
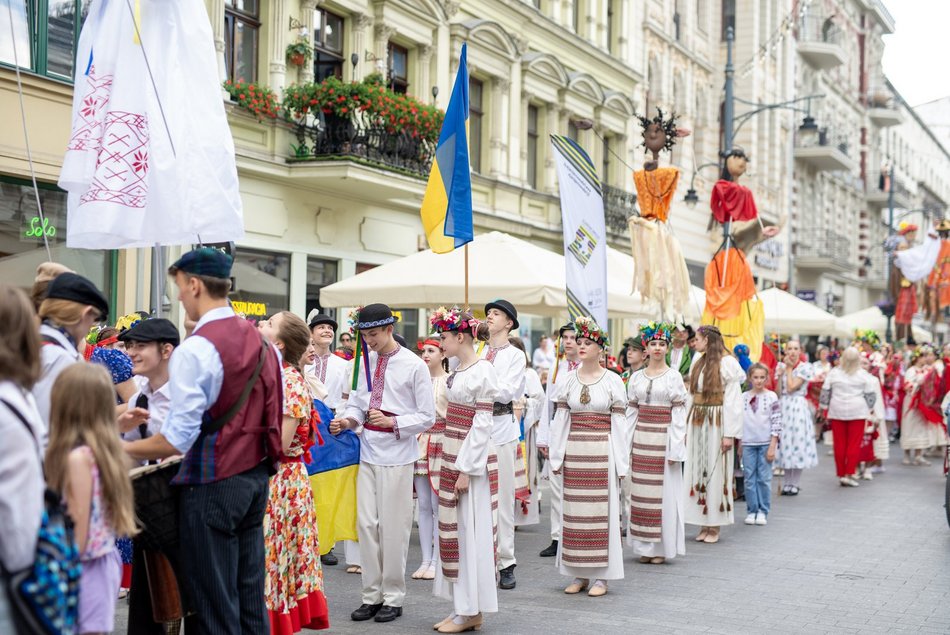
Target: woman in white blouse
x,y
848,395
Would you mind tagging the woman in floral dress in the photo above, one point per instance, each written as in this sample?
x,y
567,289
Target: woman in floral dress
x,y
797,451
294,584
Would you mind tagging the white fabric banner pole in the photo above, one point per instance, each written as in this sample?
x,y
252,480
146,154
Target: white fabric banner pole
x,y
585,232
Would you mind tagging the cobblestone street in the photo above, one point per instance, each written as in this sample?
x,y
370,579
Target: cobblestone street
x,y
831,560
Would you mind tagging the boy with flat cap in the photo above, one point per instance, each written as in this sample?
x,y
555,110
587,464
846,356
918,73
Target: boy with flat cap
x,y
393,403
502,317
149,343
225,416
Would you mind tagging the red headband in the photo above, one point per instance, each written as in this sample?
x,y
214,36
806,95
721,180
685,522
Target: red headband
x,y
430,342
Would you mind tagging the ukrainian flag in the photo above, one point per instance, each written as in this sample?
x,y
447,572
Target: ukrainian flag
x,y
447,204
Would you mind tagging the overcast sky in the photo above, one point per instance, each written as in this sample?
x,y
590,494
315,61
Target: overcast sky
x,y
915,56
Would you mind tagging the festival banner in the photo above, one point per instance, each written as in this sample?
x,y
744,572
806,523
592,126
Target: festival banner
x,y
585,232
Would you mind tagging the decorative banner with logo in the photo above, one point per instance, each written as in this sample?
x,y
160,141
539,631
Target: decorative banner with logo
x,y
585,232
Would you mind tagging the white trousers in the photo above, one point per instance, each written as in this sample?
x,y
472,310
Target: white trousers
x,y
384,524
507,459
428,501
556,482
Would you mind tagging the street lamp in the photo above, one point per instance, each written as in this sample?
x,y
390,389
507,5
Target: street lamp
x,y
691,197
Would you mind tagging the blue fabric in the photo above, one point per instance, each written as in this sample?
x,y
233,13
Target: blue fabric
x,y
331,451
758,479
117,362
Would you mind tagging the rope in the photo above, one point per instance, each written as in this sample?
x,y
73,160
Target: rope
x,y
148,67
26,134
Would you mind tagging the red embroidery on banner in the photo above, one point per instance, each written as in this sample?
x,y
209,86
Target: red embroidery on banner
x,y
123,162
88,133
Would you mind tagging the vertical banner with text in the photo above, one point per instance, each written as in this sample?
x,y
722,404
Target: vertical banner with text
x,y
585,233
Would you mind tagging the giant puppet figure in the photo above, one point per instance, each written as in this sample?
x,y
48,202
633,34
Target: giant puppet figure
x,y
660,271
938,281
913,263
730,289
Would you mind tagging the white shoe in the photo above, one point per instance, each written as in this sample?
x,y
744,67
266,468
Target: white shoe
x,y
761,519
867,476
750,519
853,482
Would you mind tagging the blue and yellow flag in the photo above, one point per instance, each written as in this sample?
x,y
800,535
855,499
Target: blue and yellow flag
x,y
447,204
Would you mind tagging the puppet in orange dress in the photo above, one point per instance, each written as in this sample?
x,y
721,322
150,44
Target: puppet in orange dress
x,y
938,282
901,288
660,271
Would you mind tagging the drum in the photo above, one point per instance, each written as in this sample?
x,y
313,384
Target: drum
x,y
156,505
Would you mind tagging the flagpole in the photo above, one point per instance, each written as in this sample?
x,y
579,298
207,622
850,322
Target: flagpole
x,y
467,307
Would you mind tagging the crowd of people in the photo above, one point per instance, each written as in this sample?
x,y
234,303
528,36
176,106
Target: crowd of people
x,y
457,431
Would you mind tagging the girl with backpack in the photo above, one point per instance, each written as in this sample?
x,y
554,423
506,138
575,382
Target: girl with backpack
x,y
86,465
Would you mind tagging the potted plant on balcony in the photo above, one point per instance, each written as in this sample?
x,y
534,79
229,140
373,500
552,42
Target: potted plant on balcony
x,y
299,52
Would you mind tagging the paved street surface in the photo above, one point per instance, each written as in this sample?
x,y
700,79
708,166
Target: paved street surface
x,y
831,560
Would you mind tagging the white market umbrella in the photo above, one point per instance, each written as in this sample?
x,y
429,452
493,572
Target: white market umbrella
x,y
620,272
786,313
872,318
500,266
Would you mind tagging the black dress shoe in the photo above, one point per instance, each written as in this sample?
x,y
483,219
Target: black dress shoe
x,y
550,551
365,612
329,559
507,580
388,613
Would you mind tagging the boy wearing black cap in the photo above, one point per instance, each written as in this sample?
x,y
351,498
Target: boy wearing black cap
x,y
72,306
564,368
393,402
150,344
225,416
502,317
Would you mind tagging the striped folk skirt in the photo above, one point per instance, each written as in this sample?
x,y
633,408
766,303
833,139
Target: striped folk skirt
x,y
585,532
647,464
458,422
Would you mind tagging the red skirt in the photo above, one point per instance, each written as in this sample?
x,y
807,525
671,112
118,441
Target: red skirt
x,y
906,305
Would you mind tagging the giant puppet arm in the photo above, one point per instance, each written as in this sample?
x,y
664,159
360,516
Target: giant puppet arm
x,y
748,234
916,263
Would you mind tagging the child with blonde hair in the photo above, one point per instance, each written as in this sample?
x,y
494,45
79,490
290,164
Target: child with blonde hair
x,y
86,465
761,429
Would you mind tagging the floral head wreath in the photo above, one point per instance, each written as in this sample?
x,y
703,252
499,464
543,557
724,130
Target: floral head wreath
x,y
868,336
455,319
656,331
920,351
706,329
126,322
668,126
587,327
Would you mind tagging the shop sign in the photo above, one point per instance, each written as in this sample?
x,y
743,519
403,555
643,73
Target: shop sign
x,y
768,254
808,295
258,309
37,228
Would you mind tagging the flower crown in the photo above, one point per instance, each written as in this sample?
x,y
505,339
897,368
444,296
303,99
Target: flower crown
x,y
656,331
920,351
126,322
868,336
587,327
455,319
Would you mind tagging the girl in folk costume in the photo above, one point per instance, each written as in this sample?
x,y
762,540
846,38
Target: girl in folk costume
x,y
657,398
821,366
714,423
922,426
426,478
85,464
468,480
293,588
590,448
875,448
797,450
528,412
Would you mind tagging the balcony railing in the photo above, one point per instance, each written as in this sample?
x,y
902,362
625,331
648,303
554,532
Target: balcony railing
x,y
332,137
815,247
819,29
619,205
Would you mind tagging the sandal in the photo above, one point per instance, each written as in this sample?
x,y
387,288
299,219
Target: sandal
x,y
645,559
599,589
430,572
701,537
657,560
354,569
420,571
578,585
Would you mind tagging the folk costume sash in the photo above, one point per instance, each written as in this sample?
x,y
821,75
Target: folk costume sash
x,y
705,416
647,463
458,423
585,528
522,488
434,452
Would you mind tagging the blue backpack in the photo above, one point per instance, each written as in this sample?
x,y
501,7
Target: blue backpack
x,y
44,598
